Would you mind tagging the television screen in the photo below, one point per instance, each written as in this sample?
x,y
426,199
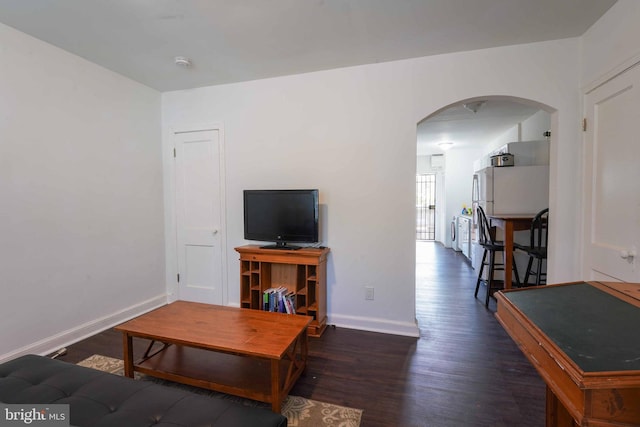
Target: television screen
x,y
281,216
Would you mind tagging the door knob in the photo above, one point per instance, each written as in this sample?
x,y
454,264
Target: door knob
x,y
214,232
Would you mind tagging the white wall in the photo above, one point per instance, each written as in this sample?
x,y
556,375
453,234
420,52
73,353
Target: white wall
x,y
611,43
81,189
458,183
511,135
533,128
530,129
352,132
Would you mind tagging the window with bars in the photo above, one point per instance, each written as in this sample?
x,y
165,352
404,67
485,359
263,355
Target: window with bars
x,y
426,207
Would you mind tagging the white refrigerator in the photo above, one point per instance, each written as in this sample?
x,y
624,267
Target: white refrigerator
x,y
508,190
512,190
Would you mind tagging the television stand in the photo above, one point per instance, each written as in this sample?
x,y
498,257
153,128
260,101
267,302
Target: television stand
x,y
303,272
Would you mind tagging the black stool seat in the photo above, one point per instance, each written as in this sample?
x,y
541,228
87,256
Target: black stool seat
x,y
534,252
496,246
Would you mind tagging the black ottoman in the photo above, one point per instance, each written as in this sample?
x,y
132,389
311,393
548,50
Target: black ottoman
x,y
102,399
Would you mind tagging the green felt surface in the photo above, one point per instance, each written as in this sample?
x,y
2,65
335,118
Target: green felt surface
x,y
598,331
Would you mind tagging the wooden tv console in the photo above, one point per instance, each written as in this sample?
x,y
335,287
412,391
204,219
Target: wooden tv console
x,y
302,271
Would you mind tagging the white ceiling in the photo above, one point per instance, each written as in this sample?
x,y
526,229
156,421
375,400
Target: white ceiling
x,y
239,40
466,129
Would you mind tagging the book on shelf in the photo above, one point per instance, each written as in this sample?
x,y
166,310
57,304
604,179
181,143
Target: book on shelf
x,y
289,302
268,299
279,299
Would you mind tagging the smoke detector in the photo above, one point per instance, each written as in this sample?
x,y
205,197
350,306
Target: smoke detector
x,y
182,61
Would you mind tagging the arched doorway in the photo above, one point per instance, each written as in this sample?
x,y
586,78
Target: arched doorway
x,y
457,140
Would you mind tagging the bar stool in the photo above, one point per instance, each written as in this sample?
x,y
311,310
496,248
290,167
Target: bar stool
x,y
537,248
486,239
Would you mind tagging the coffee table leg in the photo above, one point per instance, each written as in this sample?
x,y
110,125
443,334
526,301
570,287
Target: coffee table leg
x,y
127,342
276,396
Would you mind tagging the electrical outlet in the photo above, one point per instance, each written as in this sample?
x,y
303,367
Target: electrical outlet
x,y
368,295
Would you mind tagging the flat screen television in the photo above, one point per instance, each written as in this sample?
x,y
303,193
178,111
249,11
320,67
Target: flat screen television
x,y
281,217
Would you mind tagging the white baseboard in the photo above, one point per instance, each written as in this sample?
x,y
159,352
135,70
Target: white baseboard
x,y
70,336
372,324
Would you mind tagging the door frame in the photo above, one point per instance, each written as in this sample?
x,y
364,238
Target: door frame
x,y
171,228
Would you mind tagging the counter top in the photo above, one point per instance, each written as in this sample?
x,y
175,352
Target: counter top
x,y
528,216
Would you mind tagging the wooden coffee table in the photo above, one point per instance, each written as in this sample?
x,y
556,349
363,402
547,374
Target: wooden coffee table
x,y
249,353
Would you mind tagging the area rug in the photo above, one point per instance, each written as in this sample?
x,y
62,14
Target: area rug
x,y
300,412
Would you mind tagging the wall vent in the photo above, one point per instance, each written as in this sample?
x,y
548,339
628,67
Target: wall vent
x,y
437,161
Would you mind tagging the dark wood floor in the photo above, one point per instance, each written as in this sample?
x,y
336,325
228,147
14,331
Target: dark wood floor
x,y
463,371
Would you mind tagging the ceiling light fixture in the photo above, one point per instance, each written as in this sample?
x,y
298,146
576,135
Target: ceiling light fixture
x,y
182,61
444,146
474,106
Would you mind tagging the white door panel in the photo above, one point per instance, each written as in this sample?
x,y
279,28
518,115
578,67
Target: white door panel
x,y
199,216
612,174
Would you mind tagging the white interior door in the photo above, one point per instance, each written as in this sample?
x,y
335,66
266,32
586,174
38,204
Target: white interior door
x,y
612,175
199,219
